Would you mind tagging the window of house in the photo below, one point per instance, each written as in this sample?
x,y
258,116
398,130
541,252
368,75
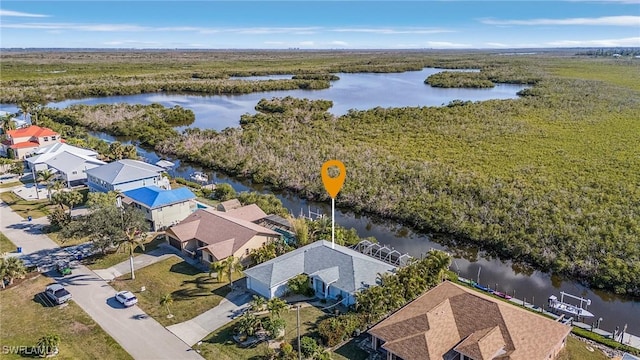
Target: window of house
x,y
74,173
246,251
46,138
53,138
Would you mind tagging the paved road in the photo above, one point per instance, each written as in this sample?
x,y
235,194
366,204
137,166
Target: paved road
x,y
140,335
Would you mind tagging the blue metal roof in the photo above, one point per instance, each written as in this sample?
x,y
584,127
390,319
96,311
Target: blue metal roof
x,y
155,197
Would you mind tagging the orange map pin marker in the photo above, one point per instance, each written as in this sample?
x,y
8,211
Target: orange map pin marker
x,y
333,184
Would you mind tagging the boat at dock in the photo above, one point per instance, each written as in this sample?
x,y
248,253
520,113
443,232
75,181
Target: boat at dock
x,y
481,287
576,310
501,294
199,177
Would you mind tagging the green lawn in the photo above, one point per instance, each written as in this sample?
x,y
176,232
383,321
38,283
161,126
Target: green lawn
x,y
349,351
5,244
219,345
105,261
24,320
24,208
579,350
193,292
55,236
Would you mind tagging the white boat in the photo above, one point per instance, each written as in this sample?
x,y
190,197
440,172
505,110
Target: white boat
x,y
560,305
199,177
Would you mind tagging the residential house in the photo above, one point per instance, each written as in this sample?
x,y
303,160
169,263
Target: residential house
x,y
452,322
251,212
162,208
124,175
229,205
25,141
211,235
70,163
18,123
335,271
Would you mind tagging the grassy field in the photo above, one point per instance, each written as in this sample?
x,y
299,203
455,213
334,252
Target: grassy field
x,y
104,261
5,244
219,345
579,350
25,319
25,208
193,292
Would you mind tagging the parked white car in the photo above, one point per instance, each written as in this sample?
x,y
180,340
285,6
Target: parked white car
x,y
126,298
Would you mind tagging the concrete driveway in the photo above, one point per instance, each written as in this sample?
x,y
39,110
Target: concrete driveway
x,y
232,306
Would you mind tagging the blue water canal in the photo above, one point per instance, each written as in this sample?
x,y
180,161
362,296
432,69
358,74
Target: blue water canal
x,y
365,91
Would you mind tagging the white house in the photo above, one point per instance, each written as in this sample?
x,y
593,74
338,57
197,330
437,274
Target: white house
x,y
162,208
124,175
335,272
69,163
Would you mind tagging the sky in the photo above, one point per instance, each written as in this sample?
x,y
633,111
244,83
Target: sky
x,y
316,24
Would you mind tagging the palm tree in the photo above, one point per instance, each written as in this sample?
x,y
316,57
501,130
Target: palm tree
x,y
167,301
43,177
56,186
218,268
258,303
3,271
441,261
133,225
275,306
231,265
7,123
13,268
48,344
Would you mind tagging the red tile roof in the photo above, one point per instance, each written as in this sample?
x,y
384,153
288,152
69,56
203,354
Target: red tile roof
x,y
23,145
30,131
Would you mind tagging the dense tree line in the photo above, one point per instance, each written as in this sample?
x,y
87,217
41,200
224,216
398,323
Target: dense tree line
x,y
459,79
508,175
148,124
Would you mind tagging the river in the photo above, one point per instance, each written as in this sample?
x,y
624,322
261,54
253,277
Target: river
x,y
364,91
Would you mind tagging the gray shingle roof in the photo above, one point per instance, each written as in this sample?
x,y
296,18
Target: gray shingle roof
x,y
125,170
354,271
67,161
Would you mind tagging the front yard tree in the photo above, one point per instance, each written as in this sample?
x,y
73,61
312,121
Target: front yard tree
x,y
48,345
276,306
44,177
167,301
68,198
218,268
12,268
133,227
231,265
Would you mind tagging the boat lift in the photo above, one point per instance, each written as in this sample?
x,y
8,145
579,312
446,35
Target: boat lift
x,y
554,303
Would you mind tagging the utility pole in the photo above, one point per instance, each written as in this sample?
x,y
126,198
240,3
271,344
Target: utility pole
x,y
298,321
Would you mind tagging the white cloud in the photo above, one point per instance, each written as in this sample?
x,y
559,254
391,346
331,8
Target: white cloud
x,y
632,41
275,30
132,42
496,44
78,27
392,31
20,14
605,20
306,43
274,43
339,43
446,44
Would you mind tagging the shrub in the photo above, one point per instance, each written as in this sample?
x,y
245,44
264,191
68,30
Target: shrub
x,y
336,329
300,285
308,346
